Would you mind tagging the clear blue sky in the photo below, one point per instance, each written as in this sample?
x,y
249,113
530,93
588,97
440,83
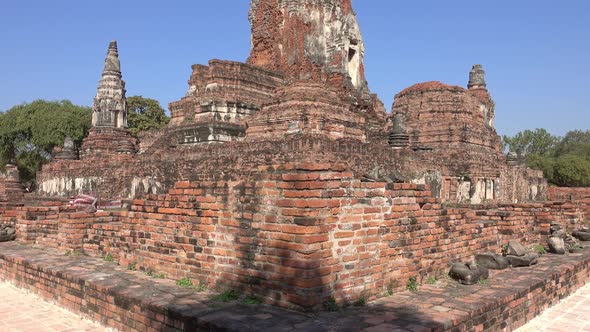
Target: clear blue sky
x,y
535,52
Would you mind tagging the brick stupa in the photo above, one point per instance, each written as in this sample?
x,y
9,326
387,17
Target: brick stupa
x,y
109,134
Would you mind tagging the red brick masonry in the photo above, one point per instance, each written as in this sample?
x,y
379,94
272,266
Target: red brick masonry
x,y
130,301
296,235
568,194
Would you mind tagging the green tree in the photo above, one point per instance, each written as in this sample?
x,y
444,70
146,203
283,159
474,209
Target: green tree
x,y
528,142
575,142
145,114
543,163
28,133
572,171
564,161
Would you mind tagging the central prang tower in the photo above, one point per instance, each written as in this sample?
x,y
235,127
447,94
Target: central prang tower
x,y
318,46
304,76
309,40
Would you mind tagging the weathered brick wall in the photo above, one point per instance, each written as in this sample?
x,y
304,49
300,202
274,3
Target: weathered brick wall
x,y
103,235
11,190
298,234
440,115
166,162
530,222
223,82
567,194
7,214
306,108
53,225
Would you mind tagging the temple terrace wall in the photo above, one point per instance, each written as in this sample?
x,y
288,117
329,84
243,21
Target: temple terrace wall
x,y
295,234
568,194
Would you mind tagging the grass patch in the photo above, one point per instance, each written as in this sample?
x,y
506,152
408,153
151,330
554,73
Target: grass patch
x,y
184,282
227,296
69,253
331,305
132,266
540,249
154,274
431,280
391,287
108,257
483,282
252,300
504,249
412,285
360,302
200,288
188,283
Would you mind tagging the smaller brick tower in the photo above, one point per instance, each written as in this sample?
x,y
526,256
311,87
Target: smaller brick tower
x,y
110,105
477,78
109,134
11,189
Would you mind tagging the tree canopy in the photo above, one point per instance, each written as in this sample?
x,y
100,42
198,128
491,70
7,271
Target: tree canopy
x,y
28,132
565,161
145,114
529,142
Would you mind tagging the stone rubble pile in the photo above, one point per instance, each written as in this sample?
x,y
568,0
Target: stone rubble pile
x,y
560,242
468,273
7,233
583,234
515,255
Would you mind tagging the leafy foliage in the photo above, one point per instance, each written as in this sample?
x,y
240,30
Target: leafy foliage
x,y
252,300
575,142
572,170
28,133
529,142
540,249
228,296
412,284
565,161
184,282
145,114
331,305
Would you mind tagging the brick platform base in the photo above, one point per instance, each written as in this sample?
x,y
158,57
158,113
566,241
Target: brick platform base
x,y
131,301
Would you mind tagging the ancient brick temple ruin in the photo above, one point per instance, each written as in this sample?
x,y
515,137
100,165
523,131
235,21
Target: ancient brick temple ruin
x,y
285,176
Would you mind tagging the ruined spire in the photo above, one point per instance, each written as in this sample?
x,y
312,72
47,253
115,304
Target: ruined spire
x,y
110,104
112,65
311,40
398,137
477,78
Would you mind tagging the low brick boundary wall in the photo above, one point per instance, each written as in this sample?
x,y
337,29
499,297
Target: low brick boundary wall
x,y
568,194
129,301
297,235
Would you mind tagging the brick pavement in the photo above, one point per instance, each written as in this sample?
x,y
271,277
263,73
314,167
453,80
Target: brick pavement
x,y
570,315
21,311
